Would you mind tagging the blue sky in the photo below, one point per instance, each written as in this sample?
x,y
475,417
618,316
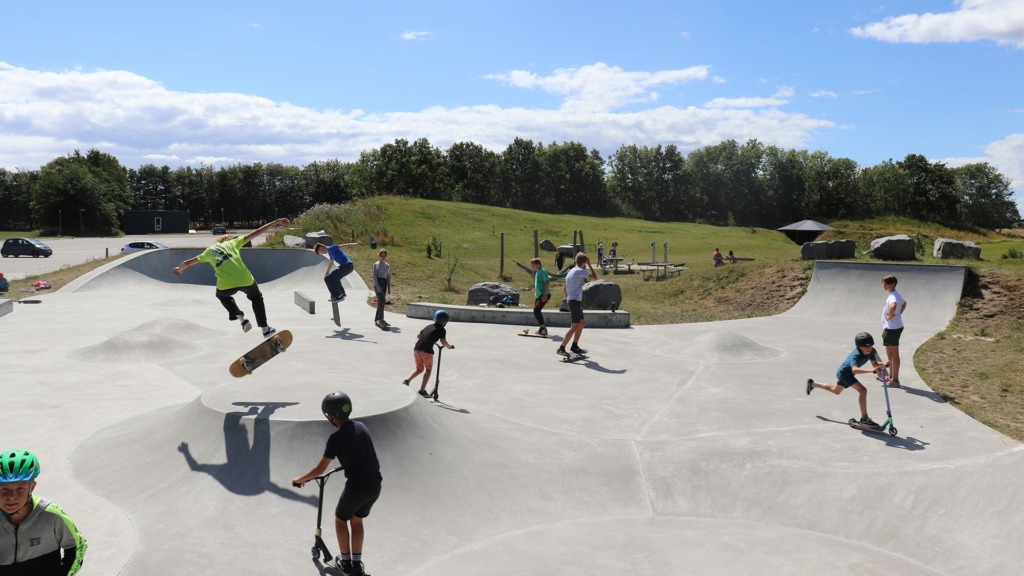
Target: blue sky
x,y
221,82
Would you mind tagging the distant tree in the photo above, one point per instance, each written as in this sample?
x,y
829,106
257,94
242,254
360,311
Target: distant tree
x,y
986,198
521,177
886,188
651,182
933,189
783,181
427,177
89,192
151,187
325,182
472,173
572,180
16,197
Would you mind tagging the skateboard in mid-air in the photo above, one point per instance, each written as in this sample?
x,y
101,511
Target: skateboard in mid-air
x,y
337,315
259,355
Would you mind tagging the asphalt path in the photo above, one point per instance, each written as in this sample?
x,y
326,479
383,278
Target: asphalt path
x,y
71,251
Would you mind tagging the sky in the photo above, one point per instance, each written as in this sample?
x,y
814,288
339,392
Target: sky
x,y
220,82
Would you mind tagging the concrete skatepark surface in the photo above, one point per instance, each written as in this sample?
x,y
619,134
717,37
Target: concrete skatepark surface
x,y
677,449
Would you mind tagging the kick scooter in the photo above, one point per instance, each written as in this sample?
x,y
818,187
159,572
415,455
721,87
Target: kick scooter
x,y
883,374
319,547
437,374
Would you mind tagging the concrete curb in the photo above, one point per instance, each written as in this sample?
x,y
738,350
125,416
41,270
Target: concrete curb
x,y
516,316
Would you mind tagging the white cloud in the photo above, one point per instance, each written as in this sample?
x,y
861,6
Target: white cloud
x,y
599,87
824,94
781,97
1001,21
44,115
416,36
1007,156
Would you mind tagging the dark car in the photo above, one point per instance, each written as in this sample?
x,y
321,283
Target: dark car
x,y
219,229
25,247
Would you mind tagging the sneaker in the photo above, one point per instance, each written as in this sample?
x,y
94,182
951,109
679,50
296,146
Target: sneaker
x,y
406,382
343,565
561,350
357,569
246,325
577,350
424,394
336,299
268,331
810,385
867,421
543,331
894,384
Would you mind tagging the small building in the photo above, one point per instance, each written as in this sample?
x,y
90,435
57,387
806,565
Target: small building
x,y
156,222
804,231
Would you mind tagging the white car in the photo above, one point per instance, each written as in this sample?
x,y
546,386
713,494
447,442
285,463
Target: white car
x,y
140,246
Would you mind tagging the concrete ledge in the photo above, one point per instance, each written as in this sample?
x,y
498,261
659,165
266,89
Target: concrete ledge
x,y
305,302
6,307
517,316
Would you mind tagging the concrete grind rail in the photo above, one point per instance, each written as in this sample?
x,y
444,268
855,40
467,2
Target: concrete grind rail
x,y
676,449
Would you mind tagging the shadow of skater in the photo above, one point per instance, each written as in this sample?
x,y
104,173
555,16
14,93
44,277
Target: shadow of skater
x,y
247,471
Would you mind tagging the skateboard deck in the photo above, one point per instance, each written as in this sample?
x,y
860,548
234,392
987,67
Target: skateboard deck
x,y
337,315
881,428
533,335
574,357
259,355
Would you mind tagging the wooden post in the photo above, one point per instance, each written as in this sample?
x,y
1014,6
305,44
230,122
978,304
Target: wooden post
x,y
583,245
501,265
536,245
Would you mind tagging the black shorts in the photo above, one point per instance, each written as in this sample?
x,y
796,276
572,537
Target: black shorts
x,y
356,501
891,336
575,311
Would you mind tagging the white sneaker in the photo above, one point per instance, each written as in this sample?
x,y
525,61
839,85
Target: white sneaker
x,y
246,325
268,331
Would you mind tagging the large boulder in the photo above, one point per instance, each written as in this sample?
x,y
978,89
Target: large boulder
x,y
828,250
898,247
321,237
548,245
602,295
294,241
959,249
491,293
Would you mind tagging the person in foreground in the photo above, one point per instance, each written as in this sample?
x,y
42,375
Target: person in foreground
x,y
37,538
582,273
233,276
352,446
863,353
423,350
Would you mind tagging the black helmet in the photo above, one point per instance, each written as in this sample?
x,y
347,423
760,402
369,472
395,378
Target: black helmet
x,y
336,405
864,339
441,315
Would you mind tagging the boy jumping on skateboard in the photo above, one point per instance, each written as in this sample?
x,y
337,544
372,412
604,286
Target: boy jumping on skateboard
x,y
36,536
233,276
423,351
352,446
345,267
846,374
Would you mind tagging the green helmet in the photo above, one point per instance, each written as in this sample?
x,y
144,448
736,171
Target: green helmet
x,y
18,466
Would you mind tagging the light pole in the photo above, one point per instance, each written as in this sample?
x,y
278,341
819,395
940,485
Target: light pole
x,y
81,222
60,222
222,217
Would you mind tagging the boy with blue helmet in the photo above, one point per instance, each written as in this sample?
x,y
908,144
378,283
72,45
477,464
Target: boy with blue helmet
x,y
863,352
423,351
36,536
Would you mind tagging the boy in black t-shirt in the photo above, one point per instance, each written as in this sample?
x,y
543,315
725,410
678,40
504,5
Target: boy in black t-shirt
x,y
352,446
423,351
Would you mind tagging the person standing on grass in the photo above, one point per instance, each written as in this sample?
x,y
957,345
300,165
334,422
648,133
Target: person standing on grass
x,y
574,282
541,293
892,327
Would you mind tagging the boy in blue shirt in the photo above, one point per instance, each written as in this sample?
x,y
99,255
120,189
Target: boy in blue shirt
x,y
847,371
345,267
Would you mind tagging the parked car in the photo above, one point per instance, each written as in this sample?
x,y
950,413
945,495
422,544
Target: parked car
x,y
219,229
140,246
25,247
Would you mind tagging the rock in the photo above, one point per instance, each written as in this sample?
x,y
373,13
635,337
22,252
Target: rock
x,y
491,293
294,241
602,295
547,245
961,249
898,247
321,237
828,250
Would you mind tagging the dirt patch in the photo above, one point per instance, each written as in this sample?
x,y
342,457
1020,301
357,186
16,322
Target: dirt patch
x,y
771,293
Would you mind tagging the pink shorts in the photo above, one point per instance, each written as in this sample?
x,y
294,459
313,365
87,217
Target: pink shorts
x,y
424,360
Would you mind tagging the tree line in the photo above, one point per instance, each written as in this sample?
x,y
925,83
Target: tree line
x,y
725,184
